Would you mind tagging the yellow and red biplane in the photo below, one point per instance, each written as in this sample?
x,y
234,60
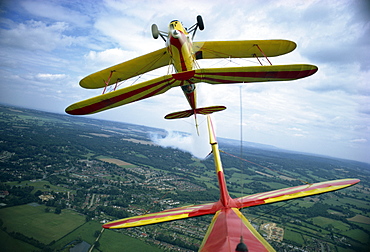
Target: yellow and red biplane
x,y
183,54
229,230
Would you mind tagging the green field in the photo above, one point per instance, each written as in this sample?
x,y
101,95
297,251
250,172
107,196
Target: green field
x,y
84,232
293,236
9,244
325,222
41,185
115,241
357,234
65,228
32,221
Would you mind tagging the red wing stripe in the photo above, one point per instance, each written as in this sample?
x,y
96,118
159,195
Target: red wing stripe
x,y
270,74
295,192
115,99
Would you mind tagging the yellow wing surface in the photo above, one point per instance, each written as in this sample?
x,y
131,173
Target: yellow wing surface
x,y
247,201
209,75
254,74
127,69
167,215
204,50
124,96
295,192
242,48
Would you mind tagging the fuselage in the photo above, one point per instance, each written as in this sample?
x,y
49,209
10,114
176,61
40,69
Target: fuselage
x,y
179,46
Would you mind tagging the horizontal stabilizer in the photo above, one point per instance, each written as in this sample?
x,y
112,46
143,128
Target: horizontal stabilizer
x,y
247,201
295,192
202,111
164,216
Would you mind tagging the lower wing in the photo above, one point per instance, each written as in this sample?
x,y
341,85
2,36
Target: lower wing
x,y
167,215
124,96
254,74
295,192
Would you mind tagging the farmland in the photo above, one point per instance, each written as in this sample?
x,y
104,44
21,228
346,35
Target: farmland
x,y
93,171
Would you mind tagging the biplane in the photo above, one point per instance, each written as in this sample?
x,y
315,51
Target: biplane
x,y
183,54
230,230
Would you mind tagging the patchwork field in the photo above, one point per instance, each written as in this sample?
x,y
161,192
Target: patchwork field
x,y
360,219
33,221
114,161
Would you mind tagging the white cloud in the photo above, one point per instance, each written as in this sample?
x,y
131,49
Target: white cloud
x,y
109,57
360,140
51,77
36,35
197,145
55,11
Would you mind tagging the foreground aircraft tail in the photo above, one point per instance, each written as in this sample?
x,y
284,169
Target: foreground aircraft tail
x,y
190,112
229,226
225,230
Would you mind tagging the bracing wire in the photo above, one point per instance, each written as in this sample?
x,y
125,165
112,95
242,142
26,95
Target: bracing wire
x,y
241,148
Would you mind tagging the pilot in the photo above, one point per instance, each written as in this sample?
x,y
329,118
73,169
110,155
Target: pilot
x,y
188,88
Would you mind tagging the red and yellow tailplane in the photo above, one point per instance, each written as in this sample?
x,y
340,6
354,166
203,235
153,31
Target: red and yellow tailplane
x,y
190,112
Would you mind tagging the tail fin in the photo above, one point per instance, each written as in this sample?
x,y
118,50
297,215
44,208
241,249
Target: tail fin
x,y
190,112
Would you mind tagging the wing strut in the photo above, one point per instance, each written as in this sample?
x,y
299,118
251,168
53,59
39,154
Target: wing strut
x,y
107,82
255,55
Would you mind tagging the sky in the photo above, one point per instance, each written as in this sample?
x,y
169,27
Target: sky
x,y
47,47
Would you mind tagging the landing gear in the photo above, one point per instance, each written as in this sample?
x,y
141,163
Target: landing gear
x,y
200,22
193,29
155,31
199,25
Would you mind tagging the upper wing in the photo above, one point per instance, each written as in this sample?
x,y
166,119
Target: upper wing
x,y
242,48
124,96
167,215
254,74
295,192
127,69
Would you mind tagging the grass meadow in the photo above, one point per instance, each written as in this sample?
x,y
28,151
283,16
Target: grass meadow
x,y
116,241
69,226
9,244
33,221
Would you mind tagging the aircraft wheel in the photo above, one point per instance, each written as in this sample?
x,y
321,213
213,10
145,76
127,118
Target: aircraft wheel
x,y
200,22
155,31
